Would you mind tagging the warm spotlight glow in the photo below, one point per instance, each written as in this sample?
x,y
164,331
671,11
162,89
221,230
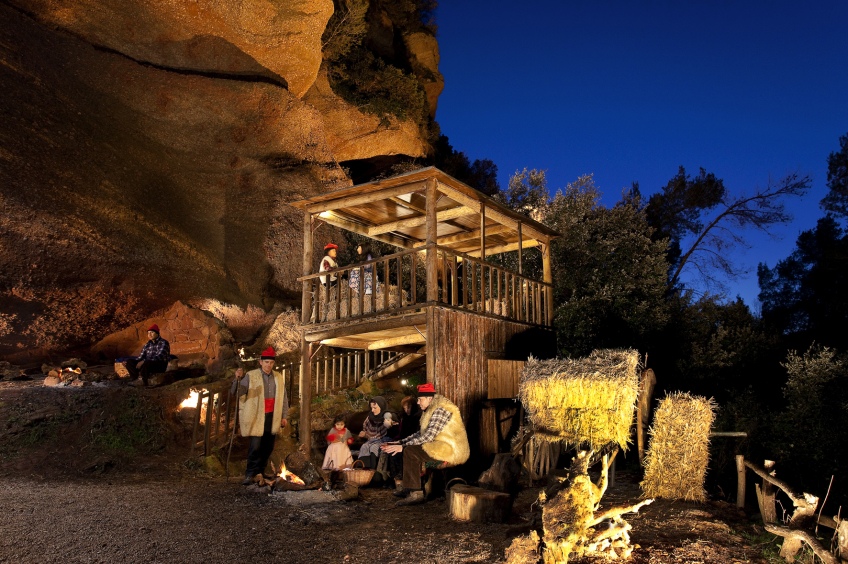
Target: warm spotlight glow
x,y
404,382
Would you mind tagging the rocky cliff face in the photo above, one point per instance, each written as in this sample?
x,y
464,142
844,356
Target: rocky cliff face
x,y
148,151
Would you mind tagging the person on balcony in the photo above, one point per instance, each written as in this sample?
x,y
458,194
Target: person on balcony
x,y
329,263
440,443
153,359
263,406
363,254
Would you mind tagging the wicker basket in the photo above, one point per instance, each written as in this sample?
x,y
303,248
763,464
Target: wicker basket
x,y
358,476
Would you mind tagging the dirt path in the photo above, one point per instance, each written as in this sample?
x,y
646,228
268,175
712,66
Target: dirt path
x,y
194,519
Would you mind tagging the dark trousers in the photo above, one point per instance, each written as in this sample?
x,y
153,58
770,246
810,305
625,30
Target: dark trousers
x,y
414,458
396,465
149,367
260,448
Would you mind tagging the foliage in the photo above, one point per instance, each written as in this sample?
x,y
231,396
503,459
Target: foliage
x,y
375,83
346,28
676,210
135,426
609,276
812,431
681,209
481,175
836,201
803,296
379,88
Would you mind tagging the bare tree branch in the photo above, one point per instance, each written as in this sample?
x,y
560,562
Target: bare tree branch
x,y
761,210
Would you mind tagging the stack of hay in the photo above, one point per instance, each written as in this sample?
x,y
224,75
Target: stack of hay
x,y
588,401
676,462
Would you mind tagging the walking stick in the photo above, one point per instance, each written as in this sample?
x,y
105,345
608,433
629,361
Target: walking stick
x,y
235,424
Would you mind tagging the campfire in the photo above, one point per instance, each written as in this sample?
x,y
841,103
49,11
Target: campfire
x,y
191,400
284,480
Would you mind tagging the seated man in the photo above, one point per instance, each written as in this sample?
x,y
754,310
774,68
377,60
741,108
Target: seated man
x,y
442,439
154,356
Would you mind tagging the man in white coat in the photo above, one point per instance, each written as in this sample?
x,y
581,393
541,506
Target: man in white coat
x,y
263,406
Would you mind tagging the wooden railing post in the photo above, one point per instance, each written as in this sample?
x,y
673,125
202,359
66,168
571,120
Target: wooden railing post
x,y
432,226
740,481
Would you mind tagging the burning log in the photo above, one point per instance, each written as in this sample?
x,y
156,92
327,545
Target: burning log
x,y
569,521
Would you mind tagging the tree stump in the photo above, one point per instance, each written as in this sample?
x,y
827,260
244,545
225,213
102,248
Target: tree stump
x,y
470,503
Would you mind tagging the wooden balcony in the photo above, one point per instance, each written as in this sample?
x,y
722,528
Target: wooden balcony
x,y
398,287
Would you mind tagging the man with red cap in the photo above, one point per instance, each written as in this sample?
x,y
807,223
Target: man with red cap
x,y
263,406
329,263
154,356
441,441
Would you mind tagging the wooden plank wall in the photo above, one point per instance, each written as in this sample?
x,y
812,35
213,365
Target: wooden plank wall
x,y
462,344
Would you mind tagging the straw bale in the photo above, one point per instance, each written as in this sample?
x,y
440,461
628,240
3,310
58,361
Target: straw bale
x,y
588,401
676,462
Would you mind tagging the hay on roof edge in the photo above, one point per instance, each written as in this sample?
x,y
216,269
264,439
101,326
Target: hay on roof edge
x,y
583,401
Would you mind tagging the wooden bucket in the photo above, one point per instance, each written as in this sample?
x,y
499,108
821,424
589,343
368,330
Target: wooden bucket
x,y
470,503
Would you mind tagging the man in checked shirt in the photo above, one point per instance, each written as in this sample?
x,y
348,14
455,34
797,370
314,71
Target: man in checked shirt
x,y
154,356
441,440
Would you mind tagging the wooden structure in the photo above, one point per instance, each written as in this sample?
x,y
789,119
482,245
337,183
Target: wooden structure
x,y
438,300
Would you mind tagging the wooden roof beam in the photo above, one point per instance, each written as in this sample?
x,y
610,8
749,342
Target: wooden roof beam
x,y
359,198
336,220
444,215
408,205
467,236
493,213
528,244
344,343
414,338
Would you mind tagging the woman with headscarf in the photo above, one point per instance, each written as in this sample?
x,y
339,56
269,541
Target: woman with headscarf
x,y
374,431
363,254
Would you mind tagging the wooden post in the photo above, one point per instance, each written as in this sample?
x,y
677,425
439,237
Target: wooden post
x,y
643,410
765,496
307,306
547,277
520,250
483,232
740,481
432,234
305,427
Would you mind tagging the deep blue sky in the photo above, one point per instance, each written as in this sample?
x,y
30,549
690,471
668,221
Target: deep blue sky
x,y
629,91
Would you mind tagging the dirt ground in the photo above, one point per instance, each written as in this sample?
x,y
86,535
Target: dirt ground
x,y
65,502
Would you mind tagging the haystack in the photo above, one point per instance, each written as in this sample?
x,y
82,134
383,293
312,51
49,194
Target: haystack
x,y
587,401
676,462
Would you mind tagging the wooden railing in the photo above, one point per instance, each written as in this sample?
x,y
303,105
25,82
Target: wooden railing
x,y
337,371
216,410
470,283
397,283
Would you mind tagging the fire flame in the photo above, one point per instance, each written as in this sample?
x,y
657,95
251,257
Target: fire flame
x,y
289,477
191,400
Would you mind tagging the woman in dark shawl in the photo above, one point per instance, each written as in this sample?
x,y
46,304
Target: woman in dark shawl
x,y
374,431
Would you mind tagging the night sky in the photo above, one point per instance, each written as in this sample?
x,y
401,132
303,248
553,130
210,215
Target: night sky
x,y
630,91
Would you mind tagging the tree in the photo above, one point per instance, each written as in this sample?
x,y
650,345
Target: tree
x,y
482,174
803,296
836,201
609,275
681,211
